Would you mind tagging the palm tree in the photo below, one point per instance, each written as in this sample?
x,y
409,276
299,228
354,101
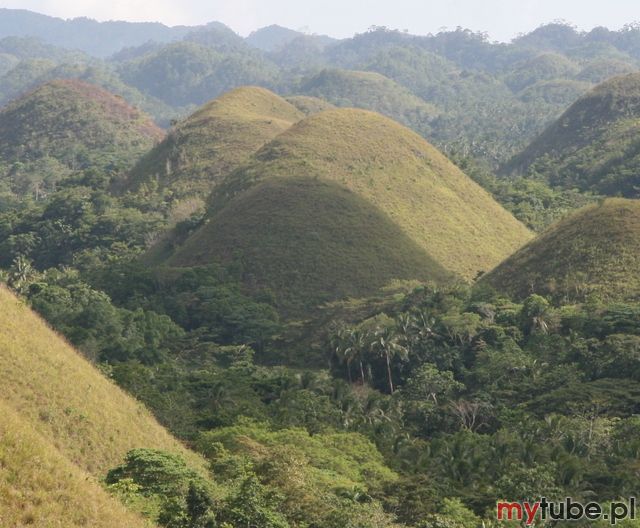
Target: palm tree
x,y
21,273
534,313
218,396
405,325
340,345
387,345
357,345
423,324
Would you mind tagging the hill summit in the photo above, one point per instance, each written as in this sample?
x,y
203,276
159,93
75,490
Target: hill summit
x,y
342,203
65,126
594,251
594,145
371,91
199,151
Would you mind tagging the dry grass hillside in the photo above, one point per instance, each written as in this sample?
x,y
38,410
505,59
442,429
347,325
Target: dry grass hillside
x,y
213,141
58,393
595,251
40,487
387,194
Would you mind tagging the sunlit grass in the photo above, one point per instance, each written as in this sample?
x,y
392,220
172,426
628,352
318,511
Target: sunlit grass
x,y
344,202
53,389
40,487
595,251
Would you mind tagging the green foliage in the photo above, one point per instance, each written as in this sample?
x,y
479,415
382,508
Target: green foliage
x,y
80,224
453,514
592,146
544,67
530,200
345,460
254,506
65,127
154,472
163,487
324,479
371,91
193,72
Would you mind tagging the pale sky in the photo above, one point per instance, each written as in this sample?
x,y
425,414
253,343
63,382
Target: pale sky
x,y
502,19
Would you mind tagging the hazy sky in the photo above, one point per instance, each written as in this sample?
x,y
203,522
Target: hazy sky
x,y
502,19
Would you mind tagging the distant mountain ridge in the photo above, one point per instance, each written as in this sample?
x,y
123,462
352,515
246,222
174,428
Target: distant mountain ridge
x,y
103,39
273,38
100,39
493,98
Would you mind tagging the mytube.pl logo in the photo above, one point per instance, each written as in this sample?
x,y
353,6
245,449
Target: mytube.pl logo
x,y
566,510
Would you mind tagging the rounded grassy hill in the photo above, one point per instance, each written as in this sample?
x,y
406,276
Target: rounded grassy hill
x,y
344,202
69,125
213,141
595,251
594,145
371,91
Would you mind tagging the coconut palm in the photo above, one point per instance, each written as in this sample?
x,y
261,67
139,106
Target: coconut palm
x,y
356,350
340,346
387,345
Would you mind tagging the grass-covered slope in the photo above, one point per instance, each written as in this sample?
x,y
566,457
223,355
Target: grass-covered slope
x,y
595,144
371,91
342,203
309,241
39,487
216,139
68,125
594,251
54,390
309,105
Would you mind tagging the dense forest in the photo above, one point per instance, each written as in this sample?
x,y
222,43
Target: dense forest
x,y
289,281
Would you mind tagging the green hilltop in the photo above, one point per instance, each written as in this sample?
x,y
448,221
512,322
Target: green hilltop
x,y
595,251
213,141
594,145
543,67
371,91
344,202
603,69
65,126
